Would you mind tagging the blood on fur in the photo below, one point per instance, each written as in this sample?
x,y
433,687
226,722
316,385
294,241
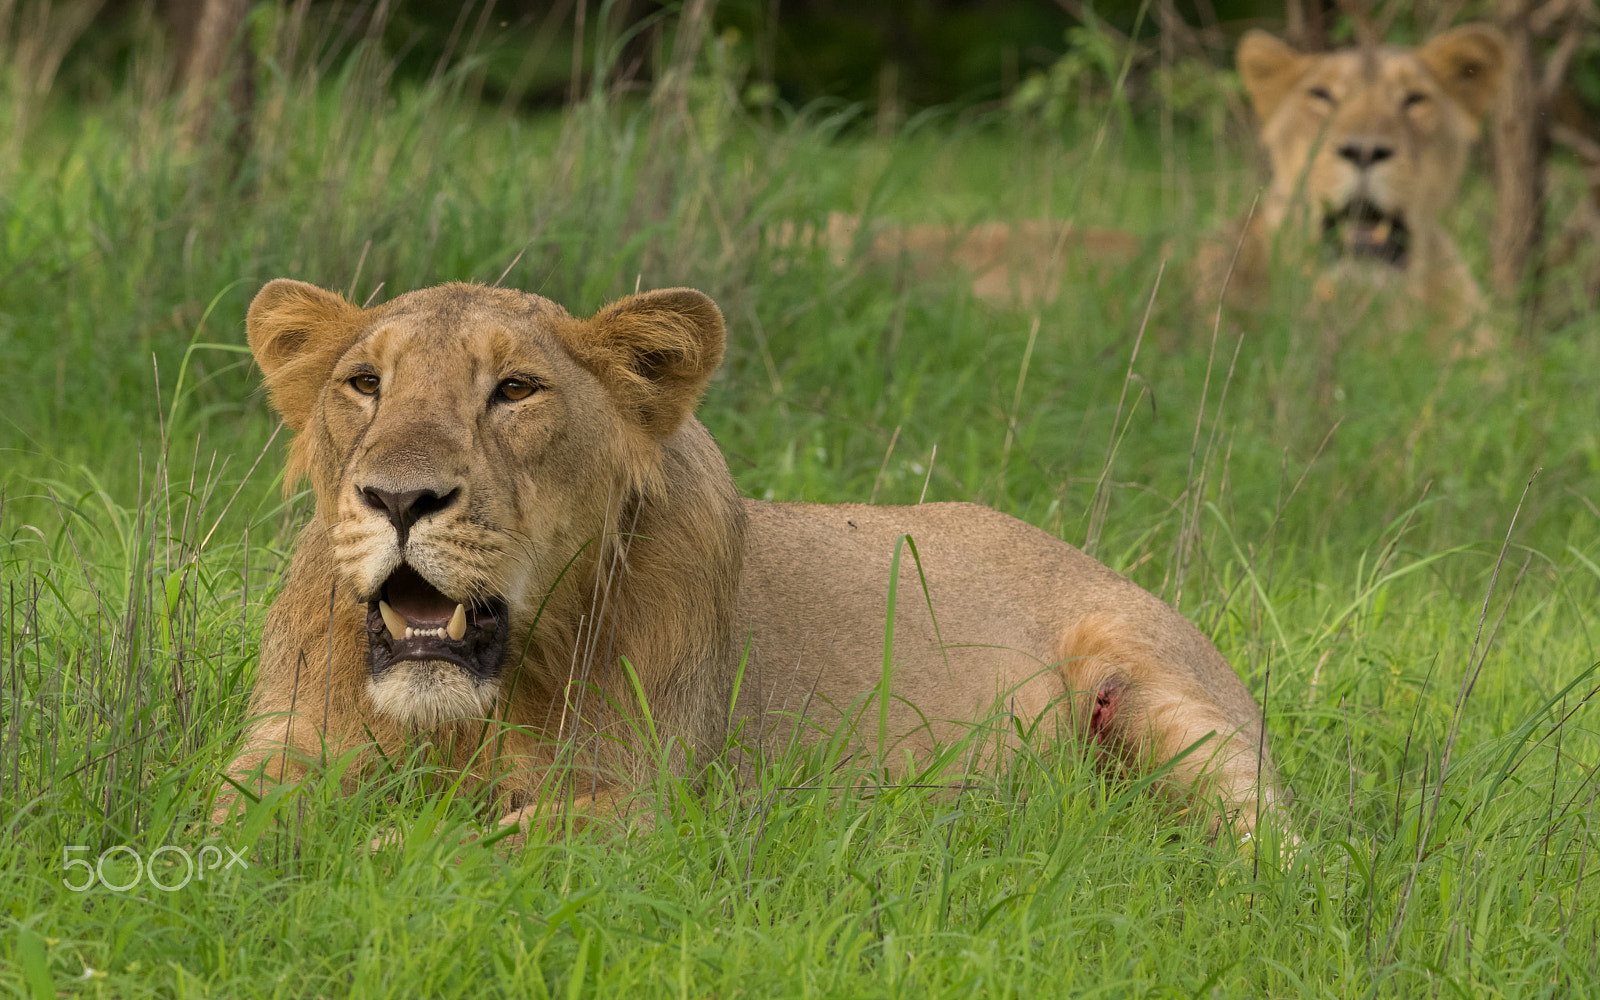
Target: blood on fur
x,y
1107,703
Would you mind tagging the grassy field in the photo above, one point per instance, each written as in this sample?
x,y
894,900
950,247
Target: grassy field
x,y
1368,553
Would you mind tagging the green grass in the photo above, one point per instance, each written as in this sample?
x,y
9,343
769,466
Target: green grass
x,y
1440,744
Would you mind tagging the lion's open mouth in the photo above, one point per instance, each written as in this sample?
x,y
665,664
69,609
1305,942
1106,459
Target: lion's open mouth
x,y
1362,229
411,620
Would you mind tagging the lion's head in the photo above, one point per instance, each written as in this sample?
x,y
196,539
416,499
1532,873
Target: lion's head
x,y
1370,143
469,446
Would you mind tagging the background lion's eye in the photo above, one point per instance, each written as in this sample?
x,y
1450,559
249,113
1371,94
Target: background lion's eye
x,y
1413,99
1321,94
366,383
516,388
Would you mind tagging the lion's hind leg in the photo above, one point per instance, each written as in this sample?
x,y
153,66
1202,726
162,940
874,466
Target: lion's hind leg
x,y
1147,711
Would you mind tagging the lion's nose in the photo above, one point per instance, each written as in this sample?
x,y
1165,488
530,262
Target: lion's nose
x,y
1365,152
407,507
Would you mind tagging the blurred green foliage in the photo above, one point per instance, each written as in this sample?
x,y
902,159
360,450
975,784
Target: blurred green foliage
x,y
940,51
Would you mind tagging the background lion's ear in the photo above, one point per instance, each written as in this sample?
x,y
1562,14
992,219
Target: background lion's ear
x,y
297,331
1470,61
1269,67
655,351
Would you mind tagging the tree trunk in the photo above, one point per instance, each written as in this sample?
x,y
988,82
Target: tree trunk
x,y
1305,26
1521,145
211,29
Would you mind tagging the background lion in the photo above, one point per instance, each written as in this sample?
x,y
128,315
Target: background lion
x,y
1367,149
519,519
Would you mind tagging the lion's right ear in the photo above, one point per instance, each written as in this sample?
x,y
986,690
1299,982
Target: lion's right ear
x,y
1269,67
297,332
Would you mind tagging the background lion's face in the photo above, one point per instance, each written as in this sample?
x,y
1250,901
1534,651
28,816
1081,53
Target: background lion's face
x,y
465,445
1370,143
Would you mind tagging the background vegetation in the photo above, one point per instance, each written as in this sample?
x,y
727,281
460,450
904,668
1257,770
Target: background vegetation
x,y
1365,545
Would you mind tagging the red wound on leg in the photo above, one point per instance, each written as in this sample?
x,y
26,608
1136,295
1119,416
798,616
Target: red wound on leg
x,y
1106,702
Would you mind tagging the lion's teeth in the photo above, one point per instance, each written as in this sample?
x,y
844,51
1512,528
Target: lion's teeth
x,y
391,618
400,630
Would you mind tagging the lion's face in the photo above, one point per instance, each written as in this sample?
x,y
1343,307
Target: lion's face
x,y
468,438
465,445
1370,143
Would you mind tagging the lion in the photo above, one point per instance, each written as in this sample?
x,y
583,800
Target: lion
x,y
1367,148
1018,264
528,552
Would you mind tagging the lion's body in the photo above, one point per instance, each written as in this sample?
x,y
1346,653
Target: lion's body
x,y
1367,149
1010,264
1011,619
591,528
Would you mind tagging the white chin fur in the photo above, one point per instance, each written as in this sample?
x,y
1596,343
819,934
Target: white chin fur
x,y
429,693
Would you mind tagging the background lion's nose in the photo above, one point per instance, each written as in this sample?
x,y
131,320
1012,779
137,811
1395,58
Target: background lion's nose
x,y
1365,152
407,507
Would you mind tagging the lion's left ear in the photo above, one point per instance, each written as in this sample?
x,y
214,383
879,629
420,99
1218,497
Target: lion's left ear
x,y
1470,62
655,351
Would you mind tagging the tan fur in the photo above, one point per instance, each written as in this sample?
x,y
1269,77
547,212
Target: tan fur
x,y
1420,106
1018,263
601,508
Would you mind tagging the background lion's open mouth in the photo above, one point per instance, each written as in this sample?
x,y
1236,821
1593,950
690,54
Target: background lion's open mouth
x,y
410,619
1362,229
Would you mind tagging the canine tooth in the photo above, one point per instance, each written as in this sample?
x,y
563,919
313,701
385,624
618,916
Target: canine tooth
x,y
458,623
410,632
391,618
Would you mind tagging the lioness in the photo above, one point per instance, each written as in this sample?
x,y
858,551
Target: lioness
x,y
1367,147
522,536
1019,263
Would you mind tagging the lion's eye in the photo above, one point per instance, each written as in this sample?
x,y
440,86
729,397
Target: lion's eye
x,y
366,383
1321,94
516,388
1413,99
